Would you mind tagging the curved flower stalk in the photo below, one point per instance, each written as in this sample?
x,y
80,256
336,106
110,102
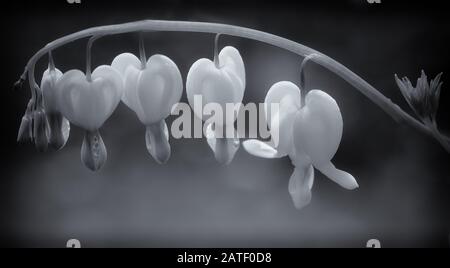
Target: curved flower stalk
x,y
309,135
224,29
220,82
151,88
423,98
87,101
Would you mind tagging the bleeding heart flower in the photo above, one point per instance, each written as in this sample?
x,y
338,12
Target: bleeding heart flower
x,y
309,135
151,90
88,104
219,82
59,126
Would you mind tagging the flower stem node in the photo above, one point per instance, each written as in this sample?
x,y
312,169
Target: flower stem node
x,y
18,84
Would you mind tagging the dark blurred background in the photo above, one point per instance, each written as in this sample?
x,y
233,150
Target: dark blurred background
x,y
404,176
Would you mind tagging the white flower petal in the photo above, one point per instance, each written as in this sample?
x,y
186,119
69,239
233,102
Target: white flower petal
x,y
300,185
260,149
342,178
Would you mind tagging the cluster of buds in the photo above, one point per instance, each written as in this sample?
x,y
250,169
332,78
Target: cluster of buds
x,y
42,122
424,97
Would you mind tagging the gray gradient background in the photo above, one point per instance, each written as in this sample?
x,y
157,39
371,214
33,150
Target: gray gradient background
x,y
403,199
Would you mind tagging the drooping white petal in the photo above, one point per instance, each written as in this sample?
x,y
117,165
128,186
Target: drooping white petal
x,y
300,185
224,148
342,178
157,141
260,149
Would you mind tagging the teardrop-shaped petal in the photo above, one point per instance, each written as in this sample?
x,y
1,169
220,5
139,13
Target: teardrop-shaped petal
x,y
40,130
125,60
157,141
93,150
277,92
282,124
230,59
129,66
25,129
26,125
300,185
50,90
224,148
159,89
58,130
130,95
318,127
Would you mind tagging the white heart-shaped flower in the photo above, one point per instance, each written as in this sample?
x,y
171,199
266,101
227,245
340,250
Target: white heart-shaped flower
x,y
150,92
223,84
88,104
309,135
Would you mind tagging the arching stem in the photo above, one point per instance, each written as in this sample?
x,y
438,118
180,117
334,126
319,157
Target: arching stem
x,y
216,51
303,90
51,63
89,57
142,55
360,84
